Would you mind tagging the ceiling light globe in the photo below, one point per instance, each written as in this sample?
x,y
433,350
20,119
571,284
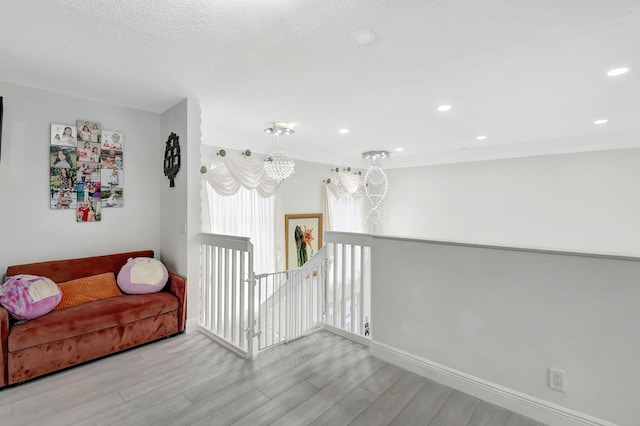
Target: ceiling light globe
x,y
375,175
278,165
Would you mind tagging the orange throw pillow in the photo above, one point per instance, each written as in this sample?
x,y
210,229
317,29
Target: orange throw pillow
x,y
88,289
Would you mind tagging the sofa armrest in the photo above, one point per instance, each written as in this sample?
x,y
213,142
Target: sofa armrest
x,y
178,286
4,342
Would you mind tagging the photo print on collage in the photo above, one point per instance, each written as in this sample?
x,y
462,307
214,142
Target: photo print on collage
x,y
89,131
62,166
112,173
63,135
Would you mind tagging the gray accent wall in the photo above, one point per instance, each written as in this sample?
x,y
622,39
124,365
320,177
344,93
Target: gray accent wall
x,y
506,316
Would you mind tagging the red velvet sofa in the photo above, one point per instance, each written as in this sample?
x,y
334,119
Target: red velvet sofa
x,y
70,336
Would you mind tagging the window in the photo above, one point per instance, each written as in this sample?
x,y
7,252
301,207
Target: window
x,y
246,214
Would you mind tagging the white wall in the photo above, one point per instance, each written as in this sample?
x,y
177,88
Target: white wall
x,y
180,205
173,201
29,230
303,192
194,207
506,316
579,202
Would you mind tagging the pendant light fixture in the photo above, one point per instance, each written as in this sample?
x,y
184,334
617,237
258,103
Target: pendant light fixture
x,y
279,165
375,184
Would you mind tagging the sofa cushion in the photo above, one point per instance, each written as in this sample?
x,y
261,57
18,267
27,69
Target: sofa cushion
x,y
27,297
89,317
142,275
88,289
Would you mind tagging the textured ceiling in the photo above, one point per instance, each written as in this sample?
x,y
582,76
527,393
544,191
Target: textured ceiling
x,y
528,74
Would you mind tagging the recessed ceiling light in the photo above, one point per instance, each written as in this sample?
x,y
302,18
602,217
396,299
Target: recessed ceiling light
x,y
617,71
481,137
363,37
343,131
399,149
601,121
443,108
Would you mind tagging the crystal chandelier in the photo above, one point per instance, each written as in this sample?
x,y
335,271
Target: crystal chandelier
x,y
375,184
278,163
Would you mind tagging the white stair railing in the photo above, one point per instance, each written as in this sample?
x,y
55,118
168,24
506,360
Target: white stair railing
x,y
227,286
348,291
246,312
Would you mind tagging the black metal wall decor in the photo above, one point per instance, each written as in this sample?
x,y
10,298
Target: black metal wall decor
x,y
172,158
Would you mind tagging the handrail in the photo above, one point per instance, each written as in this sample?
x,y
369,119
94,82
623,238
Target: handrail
x,y
456,243
352,238
227,241
316,260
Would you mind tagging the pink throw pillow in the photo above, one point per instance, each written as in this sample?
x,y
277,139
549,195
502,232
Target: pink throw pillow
x,y
142,275
28,297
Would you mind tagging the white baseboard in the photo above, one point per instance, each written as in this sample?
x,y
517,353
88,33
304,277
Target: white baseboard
x,y
221,341
347,335
510,399
191,325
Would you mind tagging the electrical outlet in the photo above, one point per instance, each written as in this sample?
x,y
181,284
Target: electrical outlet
x,y
557,380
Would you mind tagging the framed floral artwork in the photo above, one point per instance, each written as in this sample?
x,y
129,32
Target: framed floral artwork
x,y
303,237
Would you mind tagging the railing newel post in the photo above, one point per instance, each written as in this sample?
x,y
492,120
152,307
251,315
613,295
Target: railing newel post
x,y
252,304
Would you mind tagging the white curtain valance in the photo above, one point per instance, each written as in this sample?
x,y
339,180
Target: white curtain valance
x,y
227,178
346,183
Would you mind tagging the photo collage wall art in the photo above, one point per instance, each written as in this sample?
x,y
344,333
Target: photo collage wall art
x,y
86,164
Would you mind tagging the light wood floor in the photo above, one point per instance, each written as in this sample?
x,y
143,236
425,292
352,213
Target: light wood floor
x,y
321,379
